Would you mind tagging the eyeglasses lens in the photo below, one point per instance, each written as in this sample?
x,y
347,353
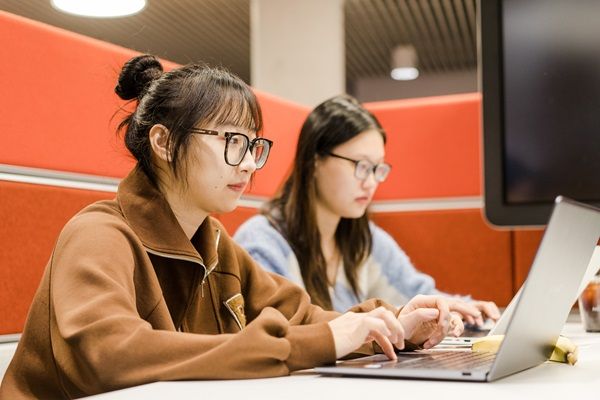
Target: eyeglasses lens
x,y
237,145
381,172
364,168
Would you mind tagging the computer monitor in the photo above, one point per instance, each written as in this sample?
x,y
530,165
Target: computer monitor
x,y
539,73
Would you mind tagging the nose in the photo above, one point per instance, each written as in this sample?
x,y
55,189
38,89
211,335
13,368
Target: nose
x,y
248,164
369,182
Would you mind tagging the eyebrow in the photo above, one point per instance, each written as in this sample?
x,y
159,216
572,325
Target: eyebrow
x,y
365,157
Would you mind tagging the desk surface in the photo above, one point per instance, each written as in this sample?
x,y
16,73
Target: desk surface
x,y
549,380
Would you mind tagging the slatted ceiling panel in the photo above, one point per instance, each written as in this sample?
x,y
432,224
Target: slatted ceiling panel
x,y
213,31
356,63
442,32
218,32
463,27
446,10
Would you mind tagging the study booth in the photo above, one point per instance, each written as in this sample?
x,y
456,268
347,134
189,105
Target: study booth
x,y
61,153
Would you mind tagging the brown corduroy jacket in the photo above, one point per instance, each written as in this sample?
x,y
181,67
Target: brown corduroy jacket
x,y
127,299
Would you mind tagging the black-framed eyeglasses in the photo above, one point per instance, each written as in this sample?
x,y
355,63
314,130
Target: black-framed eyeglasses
x,y
237,144
362,168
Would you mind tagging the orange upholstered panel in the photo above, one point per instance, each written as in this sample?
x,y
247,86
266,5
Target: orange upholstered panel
x,y
57,94
59,102
32,217
283,121
433,145
234,219
457,248
525,245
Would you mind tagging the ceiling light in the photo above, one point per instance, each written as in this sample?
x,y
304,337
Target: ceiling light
x,y
404,63
405,74
99,8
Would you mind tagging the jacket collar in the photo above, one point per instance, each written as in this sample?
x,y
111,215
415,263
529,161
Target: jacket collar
x,y
152,219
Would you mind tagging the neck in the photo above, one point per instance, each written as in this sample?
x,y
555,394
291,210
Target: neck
x,y
327,223
189,218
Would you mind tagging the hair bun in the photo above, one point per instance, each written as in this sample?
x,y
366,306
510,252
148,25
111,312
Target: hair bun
x,y
136,75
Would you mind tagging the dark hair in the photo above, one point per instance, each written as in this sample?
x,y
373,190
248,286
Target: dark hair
x,y
292,211
180,99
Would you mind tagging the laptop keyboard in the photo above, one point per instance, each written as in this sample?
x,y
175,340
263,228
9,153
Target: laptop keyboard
x,y
447,360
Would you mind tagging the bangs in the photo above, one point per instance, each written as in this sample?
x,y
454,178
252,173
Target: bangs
x,y
237,107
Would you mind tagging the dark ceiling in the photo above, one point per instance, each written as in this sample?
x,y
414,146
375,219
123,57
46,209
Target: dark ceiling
x,y
217,32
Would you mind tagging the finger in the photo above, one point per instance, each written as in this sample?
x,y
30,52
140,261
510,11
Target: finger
x,y
415,319
444,313
470,320
419,301
392,323
456,325
467,310
490,309
434,339
385,344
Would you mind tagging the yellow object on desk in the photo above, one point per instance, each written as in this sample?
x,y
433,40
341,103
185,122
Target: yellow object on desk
x,y
564,350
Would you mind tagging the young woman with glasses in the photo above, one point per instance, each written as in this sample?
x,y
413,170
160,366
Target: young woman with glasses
x,y
148,287
316,231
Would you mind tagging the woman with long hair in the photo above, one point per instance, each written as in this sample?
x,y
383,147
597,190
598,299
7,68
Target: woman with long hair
x,y
316,231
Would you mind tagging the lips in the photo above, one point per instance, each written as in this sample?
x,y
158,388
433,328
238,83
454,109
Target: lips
x,y
237,187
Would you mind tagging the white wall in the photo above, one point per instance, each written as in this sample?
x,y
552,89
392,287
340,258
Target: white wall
x,y
297,49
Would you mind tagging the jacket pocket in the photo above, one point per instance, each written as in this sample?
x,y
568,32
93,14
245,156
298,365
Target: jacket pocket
x,y
235,305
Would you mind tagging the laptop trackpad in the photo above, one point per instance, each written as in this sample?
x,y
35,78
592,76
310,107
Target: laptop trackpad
x,y
379,361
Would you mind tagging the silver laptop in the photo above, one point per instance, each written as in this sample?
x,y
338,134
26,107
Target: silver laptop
x,y
537,317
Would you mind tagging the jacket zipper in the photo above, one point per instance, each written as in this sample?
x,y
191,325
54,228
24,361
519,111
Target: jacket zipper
x,y
193,260
183,258
213,265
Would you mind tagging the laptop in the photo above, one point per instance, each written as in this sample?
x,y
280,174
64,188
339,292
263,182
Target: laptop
x,y
537,317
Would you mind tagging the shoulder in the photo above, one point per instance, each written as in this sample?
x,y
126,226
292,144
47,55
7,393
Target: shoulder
x,y
99,226
380,237
259,231
97,240
267,246
384,246
102,214
255,223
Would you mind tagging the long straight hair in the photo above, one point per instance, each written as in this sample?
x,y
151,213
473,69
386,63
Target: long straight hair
x,y
292,211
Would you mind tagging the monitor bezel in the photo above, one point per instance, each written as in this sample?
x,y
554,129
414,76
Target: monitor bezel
x,y
490,72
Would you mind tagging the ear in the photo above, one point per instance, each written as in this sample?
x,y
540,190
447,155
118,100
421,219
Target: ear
x,y
317,161
159,138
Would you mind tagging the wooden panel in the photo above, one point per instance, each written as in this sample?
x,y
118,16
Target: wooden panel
x,y
457,248
433,145
32,217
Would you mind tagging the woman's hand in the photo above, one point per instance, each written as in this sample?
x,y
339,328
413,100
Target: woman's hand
x,y
351,330
432,332
489,309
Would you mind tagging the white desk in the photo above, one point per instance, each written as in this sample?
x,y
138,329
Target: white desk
x,y
549,381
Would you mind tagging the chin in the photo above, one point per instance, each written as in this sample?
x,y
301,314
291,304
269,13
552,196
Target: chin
x,y
227,209
355,213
